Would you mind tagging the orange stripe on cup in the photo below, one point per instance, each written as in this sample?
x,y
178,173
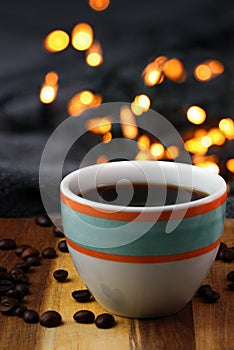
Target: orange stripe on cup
x,y
143,259
144,216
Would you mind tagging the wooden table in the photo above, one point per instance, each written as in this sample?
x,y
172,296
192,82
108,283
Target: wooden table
x,y
198,326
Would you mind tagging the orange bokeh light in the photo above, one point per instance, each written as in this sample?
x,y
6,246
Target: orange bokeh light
x,y
94,56
143,142
99,5
57,40
174,70
196,115
230,165
128,123
82,36
157,150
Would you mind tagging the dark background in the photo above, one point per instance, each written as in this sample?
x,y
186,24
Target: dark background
x,y
131,34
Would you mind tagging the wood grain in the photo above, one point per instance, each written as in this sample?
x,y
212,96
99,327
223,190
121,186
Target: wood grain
x,y
198,326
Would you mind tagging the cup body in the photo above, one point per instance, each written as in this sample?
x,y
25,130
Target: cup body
x,y
143,262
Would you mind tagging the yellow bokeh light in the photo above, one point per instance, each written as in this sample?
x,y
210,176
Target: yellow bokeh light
x,y
226,125
202,72
172,152
143,101
94,56
210,166
194,145
57,40
206,141
152,74
143,155
86,97
128,123
82,36
174,70
136,109
196,115
157,150
99,125
230,165
48,93
216,136
143,142
99,5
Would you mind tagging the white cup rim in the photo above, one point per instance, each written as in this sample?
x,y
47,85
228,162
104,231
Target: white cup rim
x,y
213,179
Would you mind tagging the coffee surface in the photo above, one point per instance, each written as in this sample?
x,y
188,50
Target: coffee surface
x,y
138,194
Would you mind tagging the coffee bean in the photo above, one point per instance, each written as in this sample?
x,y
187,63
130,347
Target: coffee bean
x,y
5,285
204,291
30,252
228,255
231,286
5,276
82,295
105,321
60,275
19,311
20,249
3,269
49,253
18,275
7,244
16,294
24,266
220,252
43,220
213,297
23,287
8,305
33,260
58,232
30,316
50,319
62,246
84,316
230,276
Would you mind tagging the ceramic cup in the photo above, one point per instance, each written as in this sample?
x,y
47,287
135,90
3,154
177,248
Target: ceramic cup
x,y
143,262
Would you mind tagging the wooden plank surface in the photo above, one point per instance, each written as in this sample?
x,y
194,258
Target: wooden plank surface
x,y
198,326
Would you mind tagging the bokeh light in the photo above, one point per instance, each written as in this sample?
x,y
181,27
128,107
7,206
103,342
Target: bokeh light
x,y
99,5
196,115
82,36
57,40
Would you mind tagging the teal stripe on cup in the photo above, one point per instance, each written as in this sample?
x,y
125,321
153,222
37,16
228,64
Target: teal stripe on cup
x,y
206,229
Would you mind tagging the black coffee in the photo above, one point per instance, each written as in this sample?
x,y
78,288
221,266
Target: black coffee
x,y
138,194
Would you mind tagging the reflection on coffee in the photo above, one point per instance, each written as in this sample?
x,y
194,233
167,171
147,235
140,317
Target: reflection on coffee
x,y
141,194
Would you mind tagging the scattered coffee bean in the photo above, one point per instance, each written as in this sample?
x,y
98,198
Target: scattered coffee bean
x,y
82,295
5,285
49,253
23,287
84,316
20,249
30,316
24,266
228,255
8,305
3,269
105,321
33,260
62,246
221,249
7,244
60,275
5,276
58,232
19,311
16,294
213,297
230,276
18,275
205,291
231,286
30,252
43,220
50,319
